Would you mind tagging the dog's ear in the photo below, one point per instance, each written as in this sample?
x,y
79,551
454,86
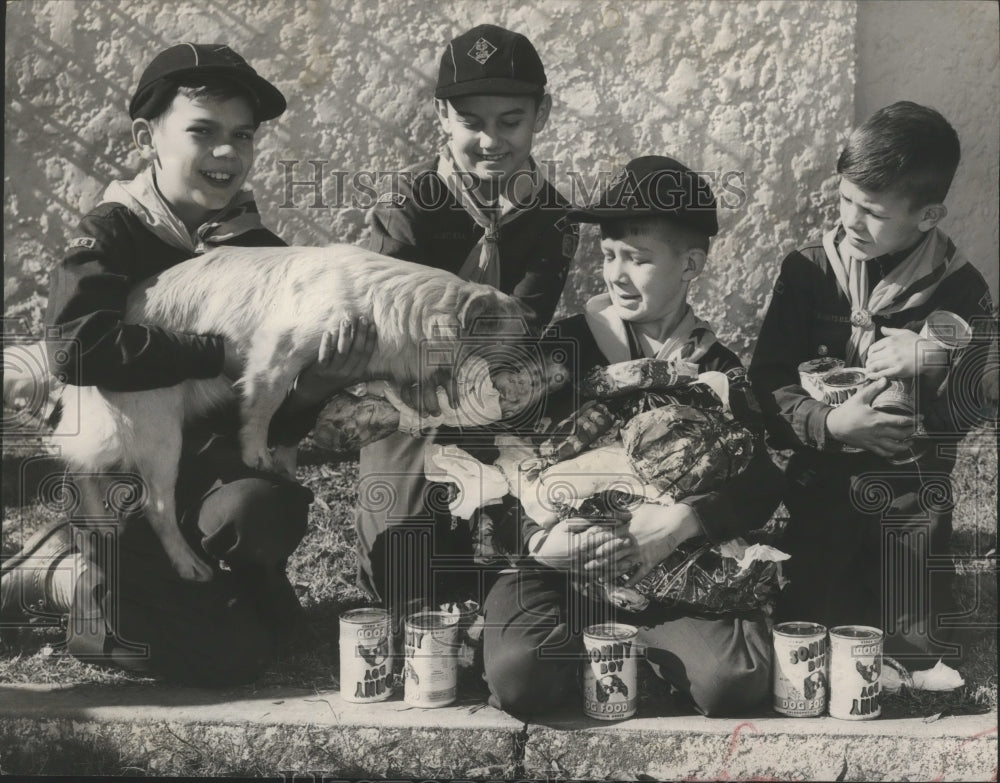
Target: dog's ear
x,y
478,305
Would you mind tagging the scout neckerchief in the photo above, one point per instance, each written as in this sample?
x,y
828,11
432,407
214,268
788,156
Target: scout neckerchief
x,y
482,265
909,284
144,199
686,345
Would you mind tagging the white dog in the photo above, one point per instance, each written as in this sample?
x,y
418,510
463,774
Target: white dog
x,y
273,305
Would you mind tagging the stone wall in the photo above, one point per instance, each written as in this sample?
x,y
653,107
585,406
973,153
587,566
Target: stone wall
x,y
945,55
758,94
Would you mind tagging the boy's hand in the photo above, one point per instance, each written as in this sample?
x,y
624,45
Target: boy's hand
x,y
654,532
894,356
573,544
858,424
343,358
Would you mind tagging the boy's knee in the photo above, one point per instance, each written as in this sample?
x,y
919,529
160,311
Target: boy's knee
x,y
253,521
730,690
520,683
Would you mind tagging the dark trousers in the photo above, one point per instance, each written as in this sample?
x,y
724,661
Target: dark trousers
x,y
532,647
130,608
869,545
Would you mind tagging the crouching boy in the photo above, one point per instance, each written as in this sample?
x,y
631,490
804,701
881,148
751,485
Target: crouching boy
x,y
656,220
870,503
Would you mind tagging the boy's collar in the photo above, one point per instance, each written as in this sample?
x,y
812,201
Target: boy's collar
x,y
143,198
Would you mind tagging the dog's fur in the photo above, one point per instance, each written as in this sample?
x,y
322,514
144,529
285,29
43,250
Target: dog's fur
x,y
273,305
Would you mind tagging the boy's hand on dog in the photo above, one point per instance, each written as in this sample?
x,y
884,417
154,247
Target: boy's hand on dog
x,y
858,424
342,361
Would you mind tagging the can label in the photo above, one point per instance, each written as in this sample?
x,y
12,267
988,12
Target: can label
x,y
610,672
812,371
897,397
430,672
855,672
840,385
365,656
800,669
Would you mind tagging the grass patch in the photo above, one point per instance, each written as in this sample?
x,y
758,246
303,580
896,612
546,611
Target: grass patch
x,y
323,567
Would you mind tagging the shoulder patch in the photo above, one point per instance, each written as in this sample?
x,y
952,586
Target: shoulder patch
x,y
569,245
392,199
986,302
779,287
88,243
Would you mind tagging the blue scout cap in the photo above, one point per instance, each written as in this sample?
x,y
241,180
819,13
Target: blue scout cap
x,y
489,60
181,62
655,186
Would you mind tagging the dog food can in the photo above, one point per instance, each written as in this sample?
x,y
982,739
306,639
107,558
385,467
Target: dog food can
x,y
365,655
430,672
855,671
841,384
610,672
799,666
812,371
896,398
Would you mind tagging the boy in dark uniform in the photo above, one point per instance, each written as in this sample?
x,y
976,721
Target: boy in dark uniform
x,y
656,219
481,209
862,295
194,117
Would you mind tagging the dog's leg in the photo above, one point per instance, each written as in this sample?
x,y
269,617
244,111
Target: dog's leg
x,y
158,469
271,367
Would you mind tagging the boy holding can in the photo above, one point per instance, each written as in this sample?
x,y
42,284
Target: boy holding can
x,y
863,295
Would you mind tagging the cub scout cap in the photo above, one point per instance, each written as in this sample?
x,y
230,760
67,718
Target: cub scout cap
x,y
654,185
185,61
489,60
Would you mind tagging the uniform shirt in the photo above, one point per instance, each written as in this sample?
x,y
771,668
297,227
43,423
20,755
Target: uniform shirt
x,y
422,221
111,253
809,316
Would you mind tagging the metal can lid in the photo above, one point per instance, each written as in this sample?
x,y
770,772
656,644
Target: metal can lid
x,y
799,628
364,616
856,632
612,631
821,365
843,378
431,621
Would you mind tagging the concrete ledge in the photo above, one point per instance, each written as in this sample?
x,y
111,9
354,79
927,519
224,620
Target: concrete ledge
x,y
114,730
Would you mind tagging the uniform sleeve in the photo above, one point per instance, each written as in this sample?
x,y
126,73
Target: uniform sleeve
x,y
542,285
87,299
394,222
794,419
959,402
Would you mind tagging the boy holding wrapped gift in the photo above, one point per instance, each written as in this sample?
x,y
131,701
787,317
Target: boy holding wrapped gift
x,y
862,295
656,219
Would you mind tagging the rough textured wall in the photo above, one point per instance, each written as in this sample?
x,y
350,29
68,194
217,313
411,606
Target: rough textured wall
x,y
944,54
759,94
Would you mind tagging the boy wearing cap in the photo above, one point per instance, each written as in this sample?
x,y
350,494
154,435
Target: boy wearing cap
x,y
481,209
656,218
194,116
866,499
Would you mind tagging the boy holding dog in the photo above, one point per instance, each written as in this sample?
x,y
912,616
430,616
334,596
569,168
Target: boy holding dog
x,y
656,219
482,209
863,295
194,115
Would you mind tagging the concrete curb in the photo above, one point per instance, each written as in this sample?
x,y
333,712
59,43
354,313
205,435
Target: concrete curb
x,y
153,730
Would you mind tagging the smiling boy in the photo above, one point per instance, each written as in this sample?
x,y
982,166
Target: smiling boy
x,y
195,114
481,209
862,295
